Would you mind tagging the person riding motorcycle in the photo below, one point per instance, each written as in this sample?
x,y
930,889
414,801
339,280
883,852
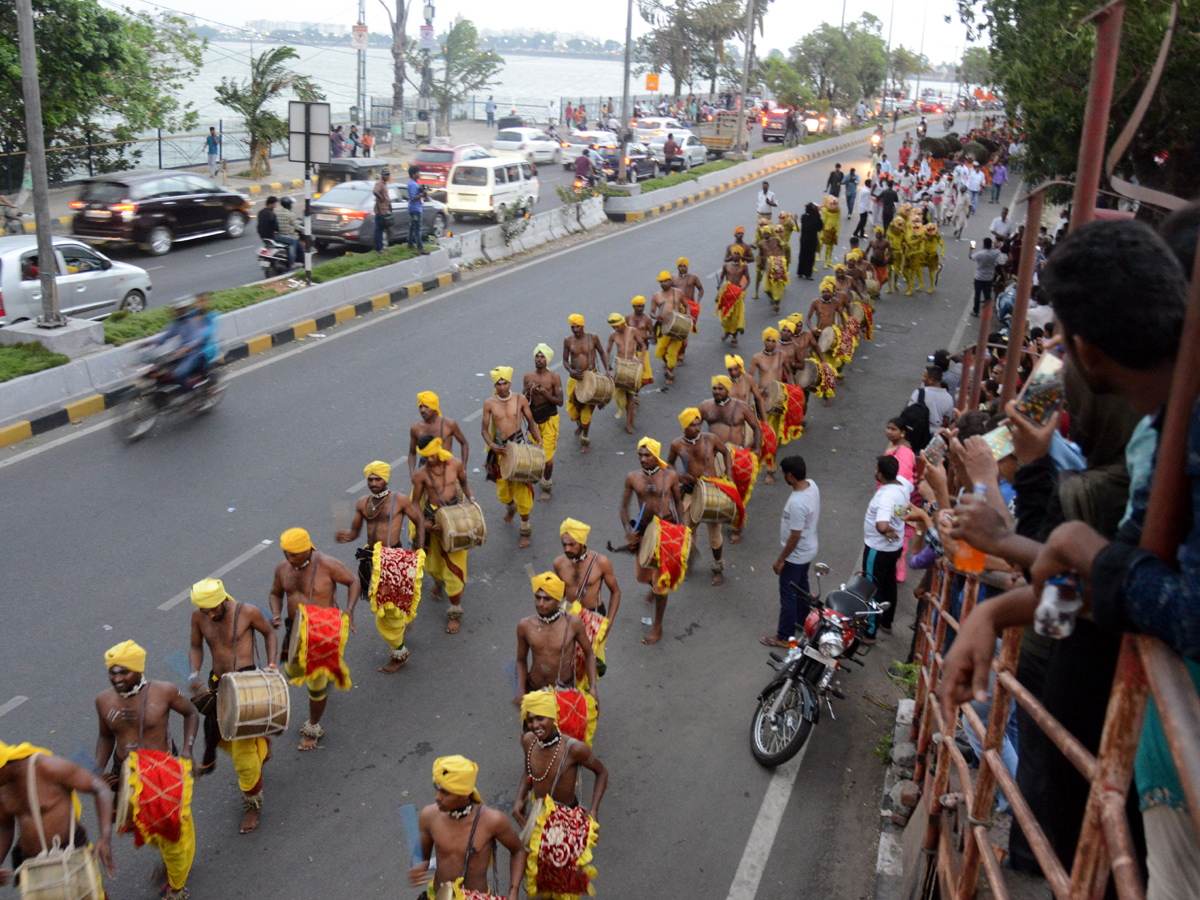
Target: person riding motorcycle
x,y
194,328
289,232
922,127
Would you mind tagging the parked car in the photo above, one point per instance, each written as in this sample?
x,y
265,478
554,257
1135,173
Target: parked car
x,y
531,143
435,163
647,129
155,208
353,168
774,124
639,163
480,187
692,152
90,285
345,216
573,146
932,106
511,121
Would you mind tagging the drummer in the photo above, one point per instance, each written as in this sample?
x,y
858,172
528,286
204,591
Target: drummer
x,y
228,628
433,423
308,579
440,482
383,512
735,424
656,488
788,349
584,572
134,716
704,456
580,350
504,413
769,365
544,391
773,264
664,303
545,648
879,254
731,296
693,293
825,311
739,242
745,470
639,321
625,343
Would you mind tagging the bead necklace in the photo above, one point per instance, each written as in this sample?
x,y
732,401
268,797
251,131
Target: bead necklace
x,y
529,763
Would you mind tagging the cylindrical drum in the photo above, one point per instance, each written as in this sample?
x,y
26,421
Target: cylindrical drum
x,y
462,526
711,504
594,389
828,339
627,374
678,325
648,548
775,398
522,463
806,375
254,704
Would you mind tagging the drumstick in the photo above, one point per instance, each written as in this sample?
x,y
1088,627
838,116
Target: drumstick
x,y
178,660
412,833
510,669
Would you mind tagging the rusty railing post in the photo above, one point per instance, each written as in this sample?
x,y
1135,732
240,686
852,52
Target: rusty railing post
x,y
1016,330
1095,119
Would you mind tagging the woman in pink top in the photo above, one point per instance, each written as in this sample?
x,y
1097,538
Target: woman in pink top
x,y
898,447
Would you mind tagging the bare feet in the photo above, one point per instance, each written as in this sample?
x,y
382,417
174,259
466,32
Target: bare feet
x,y
437,590
719,579
250,817
306,743
735,537
770,479
629,428
585,446
525,542
393,665
452,621
512,511
654,636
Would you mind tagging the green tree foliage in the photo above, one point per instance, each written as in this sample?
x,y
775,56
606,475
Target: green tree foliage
x,y
903,64
976,67
784,84
688,38
843,65
253,99
460,68
105,74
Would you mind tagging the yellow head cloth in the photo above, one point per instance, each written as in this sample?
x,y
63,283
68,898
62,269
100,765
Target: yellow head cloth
x,y
13,752
616,320
539,703
127,655
732,359
550,583
501,373
664,275
209,593
577,530
295,540
434,448
655,448
828,283
878,231
736,253
797,322
429,399
545,350
682,261
380,468
689,415
785,323
839,269
639,300
576,319
741,229
770,334
724,380
854,255
456,775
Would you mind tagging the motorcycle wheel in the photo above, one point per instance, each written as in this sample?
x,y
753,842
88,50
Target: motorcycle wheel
x,y
774,743
137,419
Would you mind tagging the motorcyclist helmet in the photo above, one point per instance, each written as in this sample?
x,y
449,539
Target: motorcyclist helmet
x,y
286,202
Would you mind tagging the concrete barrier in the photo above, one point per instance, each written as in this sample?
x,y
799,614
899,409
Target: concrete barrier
x,y
593,212
493,244
472,247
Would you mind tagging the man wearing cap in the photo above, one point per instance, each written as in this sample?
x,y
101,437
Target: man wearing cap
x,y
135,724
704,457
438,483
664,303
642,323
547,642
739,242
462,832
693,293
504,414
309,580
383,512
434,424
228,628
585,571
731,295
57,782
625,343
544,391
580,350
735,424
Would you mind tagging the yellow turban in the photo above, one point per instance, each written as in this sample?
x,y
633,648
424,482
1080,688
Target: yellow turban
x,y
576,319
380,468
127,655
785,323
295,540
732,359
616,320
434,448
577,530
550,583
796,319
655,449
839,269
501,373
539,703
664,275
770,334
545,350
724,380
429,399
828,283
210,593
639,300
854,255
682,261
688,416
741,229
456,775
12,752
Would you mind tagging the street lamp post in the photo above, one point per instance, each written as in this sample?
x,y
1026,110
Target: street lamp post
x,y
427,73
741,120
624,136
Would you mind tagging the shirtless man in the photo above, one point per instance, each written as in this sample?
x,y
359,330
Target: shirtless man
x,y
825,310
308,577
227,628
739,240
585,571
625,342
664,303
548,640
580,351
544,391
768,365
656,488
135,716
438,483
693,293
55,781
728,418
699,451
768,247
742,387
642,323
463,833
731,296
504,413
433,423
787,348
383,511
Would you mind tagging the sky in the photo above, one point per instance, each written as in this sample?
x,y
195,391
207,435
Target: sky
x,y
786,23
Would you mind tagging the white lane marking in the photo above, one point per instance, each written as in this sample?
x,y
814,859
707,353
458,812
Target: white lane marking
x,y
766,826
12,704
234,250
155,268
228,567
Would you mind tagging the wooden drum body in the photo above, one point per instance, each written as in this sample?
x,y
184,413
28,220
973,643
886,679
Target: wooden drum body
x,y
124,807
775,398
65,876
806,376
648,548
711,504
523,463
255,704
678,326
594,389
462,525
627,374
828,339
858,311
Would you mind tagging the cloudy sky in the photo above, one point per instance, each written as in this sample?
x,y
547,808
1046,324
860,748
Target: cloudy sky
x,y
786,23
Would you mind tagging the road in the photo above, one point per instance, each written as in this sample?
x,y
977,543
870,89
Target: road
x,y
688,811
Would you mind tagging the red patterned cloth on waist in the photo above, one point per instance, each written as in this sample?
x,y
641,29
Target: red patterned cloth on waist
x,y
162,794
730,294
770,446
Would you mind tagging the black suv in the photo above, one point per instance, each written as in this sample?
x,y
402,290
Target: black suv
x,y
154,208
774,125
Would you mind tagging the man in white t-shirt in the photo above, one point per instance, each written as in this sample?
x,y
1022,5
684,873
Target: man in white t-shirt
x,y
798,539
976,179
766,201
883,538
936,398
1002,228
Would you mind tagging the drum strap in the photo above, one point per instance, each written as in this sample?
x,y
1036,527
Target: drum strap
x,y
567,742
35,805
142,717
471,843
237,609
558,682
586,575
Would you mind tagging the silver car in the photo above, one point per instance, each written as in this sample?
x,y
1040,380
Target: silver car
x,y
691,152
90,285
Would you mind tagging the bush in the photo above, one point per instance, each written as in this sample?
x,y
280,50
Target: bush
x,y
654,184
976,151
25,359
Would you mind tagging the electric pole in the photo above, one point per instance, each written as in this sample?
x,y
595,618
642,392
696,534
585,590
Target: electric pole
x,y
624,135
741,120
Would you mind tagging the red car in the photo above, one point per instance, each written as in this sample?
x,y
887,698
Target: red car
x,y
928,106
435,162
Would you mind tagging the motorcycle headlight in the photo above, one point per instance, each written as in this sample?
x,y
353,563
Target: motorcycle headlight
x,y
831,644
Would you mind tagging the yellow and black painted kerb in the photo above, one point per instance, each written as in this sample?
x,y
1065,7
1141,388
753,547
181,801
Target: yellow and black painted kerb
x,y
78,410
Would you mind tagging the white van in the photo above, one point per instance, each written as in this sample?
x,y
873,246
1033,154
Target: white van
x,y
479,187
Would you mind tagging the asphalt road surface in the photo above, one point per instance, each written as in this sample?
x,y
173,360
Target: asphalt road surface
x,y
102,542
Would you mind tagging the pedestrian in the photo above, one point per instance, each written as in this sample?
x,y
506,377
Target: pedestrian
x,y
489,109
552,113
976,179
999,179
1002,229
569,115
368,143
212,146
416,194
933,394
337,143
765,204
810,230
850,183
798,538
888,198
833,184
986,261
883,539
862,205
354,141
895,117
885,165
383,209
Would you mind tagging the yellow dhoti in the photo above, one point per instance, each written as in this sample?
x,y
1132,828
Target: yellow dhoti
x,y
248,756
549,430
668,350
515,492
448,569
580,414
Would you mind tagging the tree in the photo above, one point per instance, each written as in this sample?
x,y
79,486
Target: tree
x,y
784,83
398,24
904,63
465,69
840,65
252,100
976,67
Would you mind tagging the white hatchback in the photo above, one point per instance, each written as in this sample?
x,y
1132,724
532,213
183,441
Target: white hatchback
x,y
651,129
532,144
576,144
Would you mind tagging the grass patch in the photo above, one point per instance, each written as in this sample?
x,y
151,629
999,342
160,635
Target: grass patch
x,y
653,184
883,749
904,676
25,359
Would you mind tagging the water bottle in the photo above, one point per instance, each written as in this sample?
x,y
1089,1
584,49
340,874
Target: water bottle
x,y
1058,607
966,557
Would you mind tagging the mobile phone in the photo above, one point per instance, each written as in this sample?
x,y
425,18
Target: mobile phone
x,y
1042,394
935,450
972,245
999,441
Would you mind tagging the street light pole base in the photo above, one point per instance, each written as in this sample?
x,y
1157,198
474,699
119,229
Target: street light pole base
x,y
73,338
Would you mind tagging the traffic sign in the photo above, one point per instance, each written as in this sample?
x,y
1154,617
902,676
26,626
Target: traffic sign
x,y
652,82
359,39
426,42
308,132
